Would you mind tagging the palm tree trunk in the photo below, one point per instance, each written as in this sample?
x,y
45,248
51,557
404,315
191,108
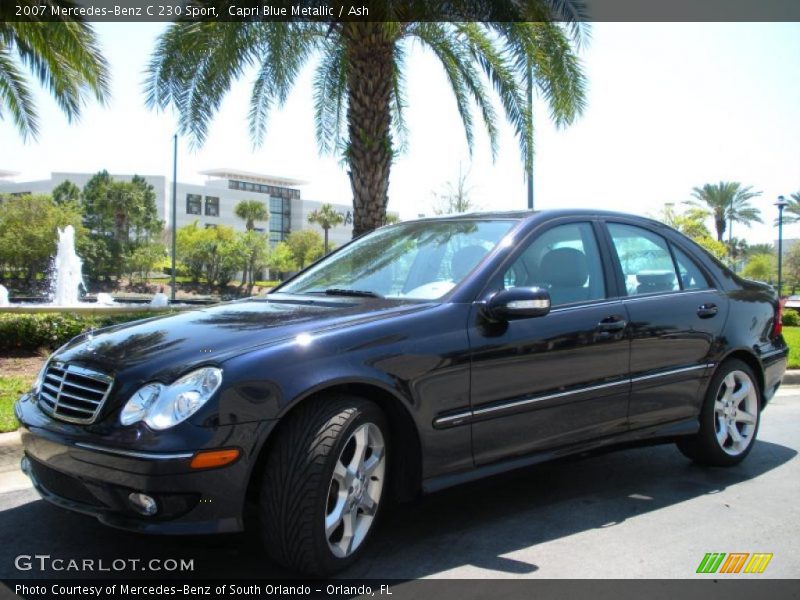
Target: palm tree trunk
x,y
720,225
369,88
326,240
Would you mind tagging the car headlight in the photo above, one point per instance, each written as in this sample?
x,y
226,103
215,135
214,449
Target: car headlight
x,y
164,406
37,383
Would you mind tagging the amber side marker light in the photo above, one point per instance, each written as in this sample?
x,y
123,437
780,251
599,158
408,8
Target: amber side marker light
x,y
214,458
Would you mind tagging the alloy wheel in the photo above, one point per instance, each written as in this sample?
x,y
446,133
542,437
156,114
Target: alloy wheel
x,y
736,413
355,490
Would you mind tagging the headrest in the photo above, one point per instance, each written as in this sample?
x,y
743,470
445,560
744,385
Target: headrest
x,y
655,277
464,260
564,267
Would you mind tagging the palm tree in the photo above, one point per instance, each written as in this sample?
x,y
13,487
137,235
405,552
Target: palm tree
x,y
63,55
251,211
326,217
791,214
359,84
729,202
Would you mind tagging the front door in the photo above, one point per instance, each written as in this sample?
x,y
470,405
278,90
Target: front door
x,y
549,381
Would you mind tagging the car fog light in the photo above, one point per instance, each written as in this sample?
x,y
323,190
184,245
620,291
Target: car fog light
x,y
143,504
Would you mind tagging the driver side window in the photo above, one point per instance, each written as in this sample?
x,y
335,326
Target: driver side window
x,y
564,260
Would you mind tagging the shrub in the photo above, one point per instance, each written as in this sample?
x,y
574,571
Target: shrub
x,y
791,318
31,331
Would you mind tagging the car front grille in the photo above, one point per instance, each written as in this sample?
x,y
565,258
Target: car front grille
x,y
72,393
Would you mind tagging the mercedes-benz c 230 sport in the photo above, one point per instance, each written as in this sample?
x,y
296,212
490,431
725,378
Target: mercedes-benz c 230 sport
x,y
420,356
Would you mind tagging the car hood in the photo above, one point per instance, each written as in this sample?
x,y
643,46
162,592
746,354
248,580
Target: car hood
x,y
163,347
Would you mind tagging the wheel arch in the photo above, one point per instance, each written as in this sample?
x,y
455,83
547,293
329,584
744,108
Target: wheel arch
x,y
406,466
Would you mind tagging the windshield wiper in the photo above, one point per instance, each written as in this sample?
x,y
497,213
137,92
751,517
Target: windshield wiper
x,y
344,292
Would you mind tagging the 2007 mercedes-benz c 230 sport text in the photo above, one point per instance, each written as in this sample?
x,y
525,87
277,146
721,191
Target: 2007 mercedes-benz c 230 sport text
x,y
420,356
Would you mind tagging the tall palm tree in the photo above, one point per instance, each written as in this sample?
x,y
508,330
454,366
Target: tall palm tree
x,y
729,203
791,214
326,217
63,55
359,84
251,211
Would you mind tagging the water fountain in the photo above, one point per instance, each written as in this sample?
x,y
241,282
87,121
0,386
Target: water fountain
x,y
67,281
67,268
160,300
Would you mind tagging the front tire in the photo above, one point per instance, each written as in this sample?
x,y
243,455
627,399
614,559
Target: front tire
x,y
729,418
324,484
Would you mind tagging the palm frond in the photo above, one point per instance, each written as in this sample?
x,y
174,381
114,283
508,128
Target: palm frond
x,y
330,98
456,67
63,55
399,102
15,95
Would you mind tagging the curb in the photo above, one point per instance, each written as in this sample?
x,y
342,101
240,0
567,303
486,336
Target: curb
x,y
10,439
791,377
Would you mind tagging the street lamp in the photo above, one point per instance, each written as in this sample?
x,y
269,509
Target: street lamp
x,y
781,204
173,280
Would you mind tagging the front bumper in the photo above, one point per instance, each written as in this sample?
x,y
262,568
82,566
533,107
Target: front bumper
x,y
88,474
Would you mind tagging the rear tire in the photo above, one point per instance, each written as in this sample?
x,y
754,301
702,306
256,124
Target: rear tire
x,y
324,484
729,418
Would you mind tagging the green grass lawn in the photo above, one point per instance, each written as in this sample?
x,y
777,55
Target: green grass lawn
x,y
11,388
792,337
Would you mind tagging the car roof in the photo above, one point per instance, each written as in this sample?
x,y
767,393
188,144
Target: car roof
x,y
543,215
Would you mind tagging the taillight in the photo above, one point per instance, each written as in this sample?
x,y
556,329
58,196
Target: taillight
x,y
777,326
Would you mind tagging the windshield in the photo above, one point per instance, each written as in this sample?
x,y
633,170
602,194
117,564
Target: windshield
x,y
421,260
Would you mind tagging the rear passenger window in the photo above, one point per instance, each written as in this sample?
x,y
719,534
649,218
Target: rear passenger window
x,y
692,277
646,262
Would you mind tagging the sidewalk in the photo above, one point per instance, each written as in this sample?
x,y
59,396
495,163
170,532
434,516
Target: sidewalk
x,y
11,478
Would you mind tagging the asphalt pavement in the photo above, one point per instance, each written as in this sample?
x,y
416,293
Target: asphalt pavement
x,y
640,513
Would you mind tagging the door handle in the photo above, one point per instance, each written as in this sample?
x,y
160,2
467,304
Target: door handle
x,y
612,324
706,311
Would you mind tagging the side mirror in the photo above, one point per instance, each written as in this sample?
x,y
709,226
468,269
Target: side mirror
x,y
518,303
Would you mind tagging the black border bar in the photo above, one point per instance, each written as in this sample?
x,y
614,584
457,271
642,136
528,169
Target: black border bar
x,y
132,11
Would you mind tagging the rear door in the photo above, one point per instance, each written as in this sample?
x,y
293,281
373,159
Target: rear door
x,y
675,315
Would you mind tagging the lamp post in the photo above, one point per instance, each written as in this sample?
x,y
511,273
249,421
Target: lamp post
x,y
730,235
174,208
781,204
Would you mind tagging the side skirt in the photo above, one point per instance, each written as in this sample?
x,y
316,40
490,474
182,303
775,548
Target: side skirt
x,y
651,435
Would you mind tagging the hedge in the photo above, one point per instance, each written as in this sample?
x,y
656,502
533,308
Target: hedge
x,y
791,318
32,331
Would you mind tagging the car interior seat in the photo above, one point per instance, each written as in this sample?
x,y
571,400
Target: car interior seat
x,y
655,281
464,260
564,271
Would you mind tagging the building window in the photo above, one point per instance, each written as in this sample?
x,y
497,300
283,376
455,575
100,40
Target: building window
x,y
212,206
194,204
211,225
280,213
272,190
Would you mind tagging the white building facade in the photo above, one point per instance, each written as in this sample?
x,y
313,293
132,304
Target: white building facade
x,y
213,203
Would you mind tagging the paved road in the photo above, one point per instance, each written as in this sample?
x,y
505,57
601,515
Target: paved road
x,y
637,513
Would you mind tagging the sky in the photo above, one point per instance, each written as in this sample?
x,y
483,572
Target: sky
x,y
670,106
